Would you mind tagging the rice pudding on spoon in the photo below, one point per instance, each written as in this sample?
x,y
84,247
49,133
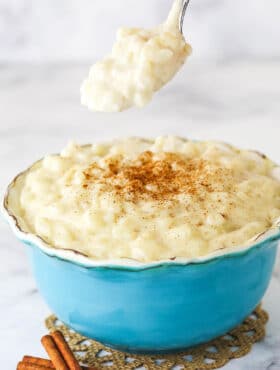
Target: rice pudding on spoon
x,y
141,62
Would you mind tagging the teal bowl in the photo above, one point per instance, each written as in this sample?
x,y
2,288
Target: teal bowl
x,y
162,307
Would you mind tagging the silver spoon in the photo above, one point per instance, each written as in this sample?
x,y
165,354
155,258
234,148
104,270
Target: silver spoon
x,y
184,5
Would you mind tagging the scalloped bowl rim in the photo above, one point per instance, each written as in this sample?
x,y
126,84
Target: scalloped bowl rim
x,y
76,257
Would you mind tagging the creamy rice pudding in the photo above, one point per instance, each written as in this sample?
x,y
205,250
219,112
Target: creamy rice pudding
x,y
141,62
148,199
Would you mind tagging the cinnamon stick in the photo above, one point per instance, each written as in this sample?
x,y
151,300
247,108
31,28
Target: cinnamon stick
x,y
38,361
65,351
47,363
53,352
29,366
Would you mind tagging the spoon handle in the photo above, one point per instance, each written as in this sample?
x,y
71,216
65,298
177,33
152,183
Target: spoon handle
x,y
184,6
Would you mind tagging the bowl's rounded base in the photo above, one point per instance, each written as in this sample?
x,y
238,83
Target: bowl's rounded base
x,y
134,351
138,346
147,352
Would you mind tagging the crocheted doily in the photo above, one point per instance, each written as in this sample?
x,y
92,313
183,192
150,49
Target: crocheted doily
x,y
212,355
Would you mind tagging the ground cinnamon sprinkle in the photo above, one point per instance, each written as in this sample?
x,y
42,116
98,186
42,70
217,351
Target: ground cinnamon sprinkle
x,y
157,177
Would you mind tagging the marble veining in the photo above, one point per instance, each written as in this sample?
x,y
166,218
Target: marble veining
x,y
40,111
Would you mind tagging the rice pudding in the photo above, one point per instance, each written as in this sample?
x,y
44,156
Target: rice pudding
x,y
141,62
148,199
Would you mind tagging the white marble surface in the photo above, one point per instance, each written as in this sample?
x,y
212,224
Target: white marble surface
x,y
54,30
40,112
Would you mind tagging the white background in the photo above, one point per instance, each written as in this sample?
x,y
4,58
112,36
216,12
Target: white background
x,y
56,30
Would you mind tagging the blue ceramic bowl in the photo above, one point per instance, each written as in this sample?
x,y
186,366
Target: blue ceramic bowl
x,y
151,308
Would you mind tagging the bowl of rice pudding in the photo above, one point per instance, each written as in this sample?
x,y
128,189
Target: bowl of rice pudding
x,y
149,245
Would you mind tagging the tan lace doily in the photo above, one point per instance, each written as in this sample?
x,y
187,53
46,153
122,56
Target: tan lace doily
x,y
212,355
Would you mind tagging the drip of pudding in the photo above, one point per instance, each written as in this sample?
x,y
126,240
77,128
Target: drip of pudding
x,y
148,199
141,62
